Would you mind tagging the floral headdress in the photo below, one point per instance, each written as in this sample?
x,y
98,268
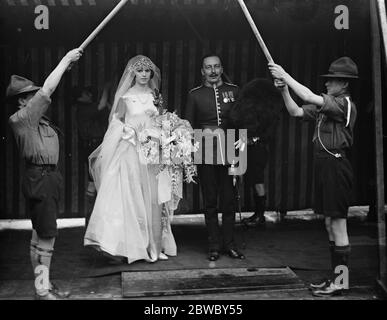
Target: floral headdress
x,y
126,81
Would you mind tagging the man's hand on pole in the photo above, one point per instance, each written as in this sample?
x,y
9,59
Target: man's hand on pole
x,y
74,55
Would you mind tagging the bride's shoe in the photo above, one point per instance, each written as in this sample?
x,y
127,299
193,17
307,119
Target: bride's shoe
x,y
163,256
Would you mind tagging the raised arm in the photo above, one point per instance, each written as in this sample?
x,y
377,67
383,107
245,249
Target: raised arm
x,y
300,90
55,76
292,107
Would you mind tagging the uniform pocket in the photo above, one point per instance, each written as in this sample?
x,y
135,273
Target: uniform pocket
x,y
46,131
33,183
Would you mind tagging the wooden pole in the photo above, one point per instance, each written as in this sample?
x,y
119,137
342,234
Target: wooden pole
x,y
103,23
377,86
383,25
255,31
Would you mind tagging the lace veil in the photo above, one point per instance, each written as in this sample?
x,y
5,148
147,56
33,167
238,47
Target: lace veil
x,y
127,79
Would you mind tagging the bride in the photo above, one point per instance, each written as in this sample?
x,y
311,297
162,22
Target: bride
x,y
127,217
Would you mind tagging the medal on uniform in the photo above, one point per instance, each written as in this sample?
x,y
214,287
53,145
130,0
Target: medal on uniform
x,y
225,97
231,96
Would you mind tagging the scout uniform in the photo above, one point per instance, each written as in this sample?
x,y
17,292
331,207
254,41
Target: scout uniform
x,y
333,137
38,143
208,108
333,174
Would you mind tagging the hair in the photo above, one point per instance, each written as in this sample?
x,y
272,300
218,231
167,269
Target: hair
x,y
211,54
257,107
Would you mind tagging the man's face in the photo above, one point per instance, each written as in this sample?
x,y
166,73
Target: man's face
x,y
336,86
212,71
22,101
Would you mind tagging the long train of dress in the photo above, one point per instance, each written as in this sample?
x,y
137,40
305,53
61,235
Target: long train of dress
x,y
127,217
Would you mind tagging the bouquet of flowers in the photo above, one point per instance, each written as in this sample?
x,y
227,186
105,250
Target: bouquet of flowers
x,y
168,144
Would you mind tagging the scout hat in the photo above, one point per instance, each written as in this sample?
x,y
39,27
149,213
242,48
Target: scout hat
x,y
19,85
343,67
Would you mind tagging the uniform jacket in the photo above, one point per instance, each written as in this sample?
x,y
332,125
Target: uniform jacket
x,y
208,108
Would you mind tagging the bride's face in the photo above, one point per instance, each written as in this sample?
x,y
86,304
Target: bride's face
x,y
142,76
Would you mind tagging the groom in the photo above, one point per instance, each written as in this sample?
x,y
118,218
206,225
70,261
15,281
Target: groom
x,y
208,107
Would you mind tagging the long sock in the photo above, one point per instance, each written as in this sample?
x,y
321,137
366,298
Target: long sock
x,y
342,259
332,253
41,263
260,205
33,254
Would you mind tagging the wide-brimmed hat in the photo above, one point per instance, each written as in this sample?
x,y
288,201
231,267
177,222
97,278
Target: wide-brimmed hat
x,y
18,85
343,67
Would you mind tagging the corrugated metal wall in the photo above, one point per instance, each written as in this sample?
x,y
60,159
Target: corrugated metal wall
x,y
289,172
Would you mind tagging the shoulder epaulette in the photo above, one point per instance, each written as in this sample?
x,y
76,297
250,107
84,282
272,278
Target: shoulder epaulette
x,y
231,84
192,90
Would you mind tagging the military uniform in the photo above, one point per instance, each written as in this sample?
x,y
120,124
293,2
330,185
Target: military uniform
x,y
208,108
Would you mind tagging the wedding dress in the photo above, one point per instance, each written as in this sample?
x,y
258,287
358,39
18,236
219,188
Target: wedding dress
x,y
127,217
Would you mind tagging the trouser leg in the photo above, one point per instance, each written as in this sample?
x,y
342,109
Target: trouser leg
x,y
227,200
208,181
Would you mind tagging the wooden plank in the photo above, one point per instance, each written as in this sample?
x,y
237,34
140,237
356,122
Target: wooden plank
x,y
18,162
178,75
59,118
231,60
306,136
383,24
165,68
244,63
378,114
88,67
292,189
199,281
5,140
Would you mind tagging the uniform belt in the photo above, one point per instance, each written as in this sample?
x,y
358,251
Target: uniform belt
x,y
43,166
323,154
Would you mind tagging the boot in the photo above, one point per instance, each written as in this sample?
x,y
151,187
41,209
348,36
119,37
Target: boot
x,y
326,282
258,218
337,286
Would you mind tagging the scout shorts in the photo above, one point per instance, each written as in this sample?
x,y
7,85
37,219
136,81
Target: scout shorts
x,y
333,186
42,188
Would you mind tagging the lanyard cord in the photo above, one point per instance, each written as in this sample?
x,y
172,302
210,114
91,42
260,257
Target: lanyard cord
x,y
336,155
